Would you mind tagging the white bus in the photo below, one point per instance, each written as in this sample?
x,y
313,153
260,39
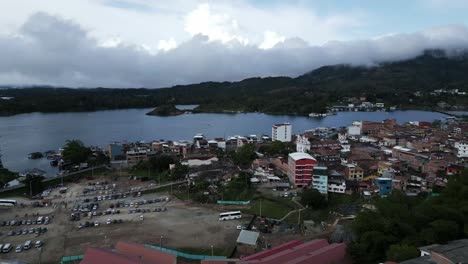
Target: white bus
x,y
8,202
230,215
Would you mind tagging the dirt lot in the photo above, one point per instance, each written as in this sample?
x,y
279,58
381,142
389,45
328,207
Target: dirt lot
x,y
181,226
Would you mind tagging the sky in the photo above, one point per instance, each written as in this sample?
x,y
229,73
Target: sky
x,y
160,43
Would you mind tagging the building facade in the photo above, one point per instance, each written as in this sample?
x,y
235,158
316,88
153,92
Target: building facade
x,y
462,149
300,168
302,144
354,172
385,186
320,179
281,132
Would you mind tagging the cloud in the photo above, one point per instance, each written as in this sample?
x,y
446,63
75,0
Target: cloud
x,y
51,50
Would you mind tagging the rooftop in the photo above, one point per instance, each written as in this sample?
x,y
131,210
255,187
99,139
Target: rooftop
x,y
248,237
300,155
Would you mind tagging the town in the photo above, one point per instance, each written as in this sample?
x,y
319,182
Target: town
x,y
288,197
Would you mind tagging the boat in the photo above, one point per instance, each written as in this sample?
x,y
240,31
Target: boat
x,y
54,163
35,155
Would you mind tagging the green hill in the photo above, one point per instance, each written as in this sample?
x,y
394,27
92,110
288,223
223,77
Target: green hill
x,y
393,83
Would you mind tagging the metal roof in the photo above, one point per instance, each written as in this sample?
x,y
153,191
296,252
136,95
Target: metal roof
x,y
248,237
300,155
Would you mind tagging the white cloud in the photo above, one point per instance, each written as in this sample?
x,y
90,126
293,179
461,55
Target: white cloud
x,y
220,26
134,43
271,39
166,45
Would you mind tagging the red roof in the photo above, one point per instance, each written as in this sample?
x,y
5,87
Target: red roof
x,y
145,253
295,252
334,253
99,256
266,253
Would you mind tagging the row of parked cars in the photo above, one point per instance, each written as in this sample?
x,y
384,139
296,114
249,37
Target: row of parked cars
x,y
86,208
37,231
158,209
97,223
6,248
39,221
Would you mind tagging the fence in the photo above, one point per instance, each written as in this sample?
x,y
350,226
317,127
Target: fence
x,y
185,255
71,258
233,202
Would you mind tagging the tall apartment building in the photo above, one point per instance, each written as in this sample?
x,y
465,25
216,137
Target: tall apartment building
x,y
281,132
462,149
320,179
300,168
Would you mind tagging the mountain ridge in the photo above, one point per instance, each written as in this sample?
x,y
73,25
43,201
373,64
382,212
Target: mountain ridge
x,y
394,83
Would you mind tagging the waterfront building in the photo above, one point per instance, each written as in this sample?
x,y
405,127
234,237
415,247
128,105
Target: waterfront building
x,y
281,132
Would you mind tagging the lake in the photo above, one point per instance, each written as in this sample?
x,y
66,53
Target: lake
x,y
26,133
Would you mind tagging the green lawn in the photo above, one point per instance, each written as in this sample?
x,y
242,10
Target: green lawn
x,y
308,214
270,209
159,177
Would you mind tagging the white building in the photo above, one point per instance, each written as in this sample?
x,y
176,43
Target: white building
x,y
281,132
302,144
355,129
462,149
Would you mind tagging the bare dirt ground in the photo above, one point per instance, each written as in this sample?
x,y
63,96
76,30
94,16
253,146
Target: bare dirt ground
x,y
181,226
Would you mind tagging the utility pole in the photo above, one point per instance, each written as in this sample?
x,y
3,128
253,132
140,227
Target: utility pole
x,y
160,241
261,207
212,253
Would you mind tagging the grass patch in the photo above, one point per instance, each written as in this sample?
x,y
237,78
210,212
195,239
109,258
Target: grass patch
x,y
335,199
308,214
159,177
182,195
158,190
271,209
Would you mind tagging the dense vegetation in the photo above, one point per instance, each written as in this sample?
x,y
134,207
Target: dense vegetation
x,y
165,110
401,223
6,176
392,83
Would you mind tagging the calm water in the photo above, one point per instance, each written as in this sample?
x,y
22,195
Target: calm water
x,y
26,133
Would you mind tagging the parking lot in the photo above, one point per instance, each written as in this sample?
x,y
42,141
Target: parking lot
x,y
152,219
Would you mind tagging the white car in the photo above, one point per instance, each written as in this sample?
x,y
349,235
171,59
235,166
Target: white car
x,y
19,248
96,223
141,217
108,221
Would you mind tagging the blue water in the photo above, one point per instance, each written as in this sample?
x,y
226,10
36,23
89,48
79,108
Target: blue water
x,y
26,133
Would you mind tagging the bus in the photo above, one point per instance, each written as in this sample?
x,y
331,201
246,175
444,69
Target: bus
x,y
230,215
7,203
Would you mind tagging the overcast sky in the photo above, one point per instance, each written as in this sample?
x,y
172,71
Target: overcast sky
x,y
158,43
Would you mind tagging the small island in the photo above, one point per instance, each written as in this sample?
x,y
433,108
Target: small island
x,y
166,110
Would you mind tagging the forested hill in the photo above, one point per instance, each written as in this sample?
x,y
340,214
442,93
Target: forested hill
x,y
392,83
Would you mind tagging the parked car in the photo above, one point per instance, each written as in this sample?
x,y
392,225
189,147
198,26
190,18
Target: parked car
x,y
38,244
19,248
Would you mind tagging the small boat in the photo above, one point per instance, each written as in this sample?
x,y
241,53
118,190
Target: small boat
x,y
54,163
36,155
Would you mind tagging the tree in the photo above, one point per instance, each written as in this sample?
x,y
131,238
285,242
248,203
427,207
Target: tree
x,y
402,252
6,176
244,155
33,184
179,171
313,198
161,163
75,151
239,188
